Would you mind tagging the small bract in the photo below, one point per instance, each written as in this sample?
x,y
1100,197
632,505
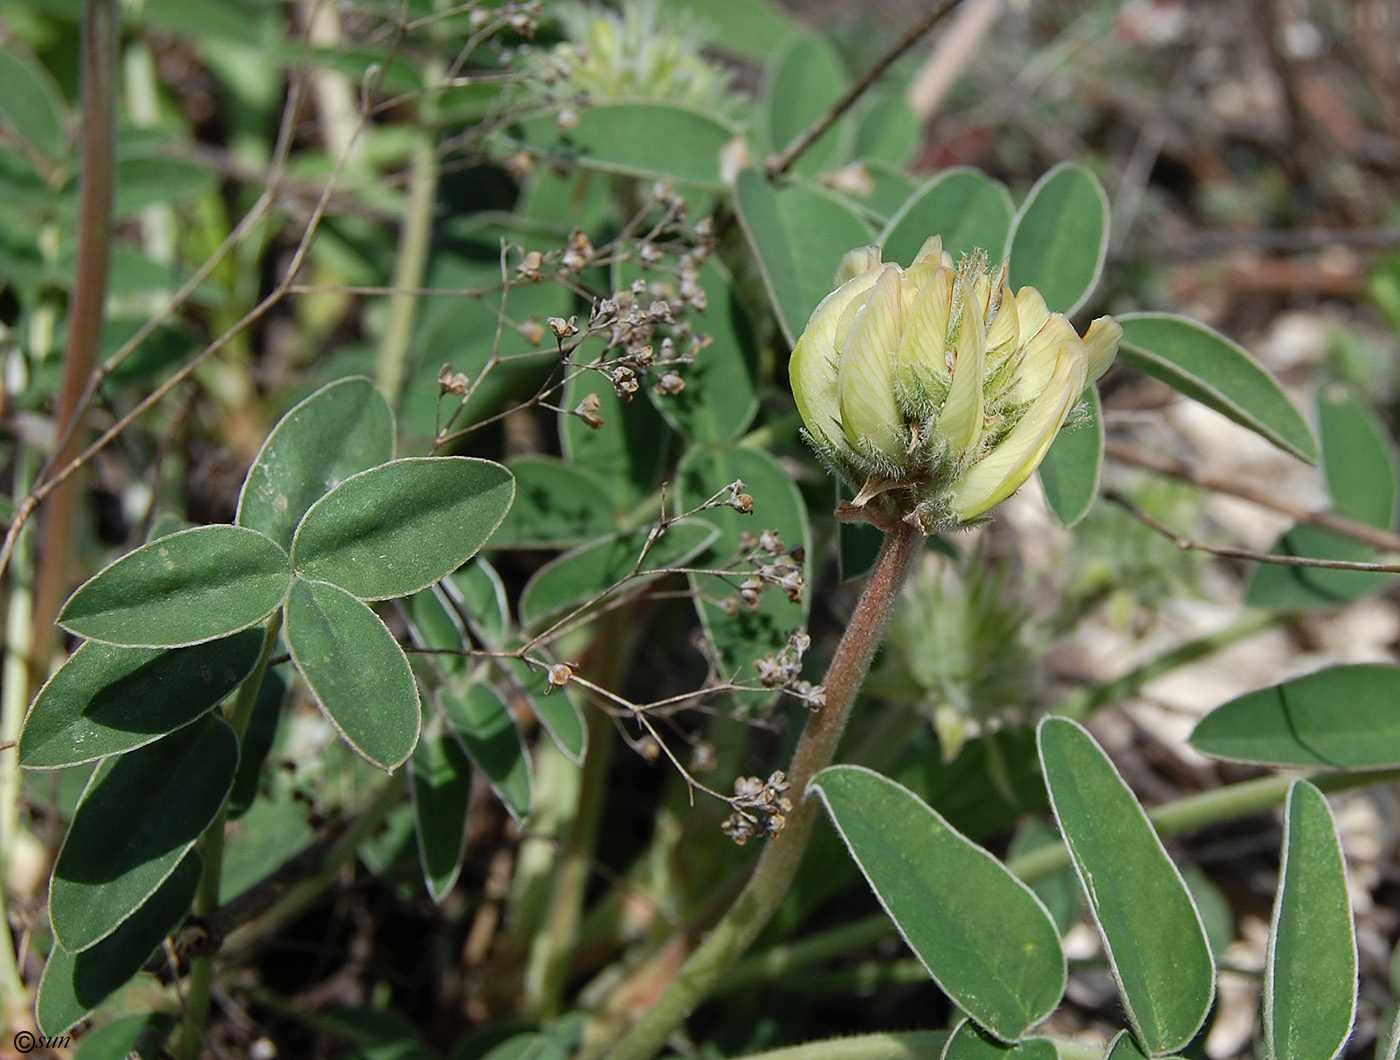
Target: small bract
x,y
933,390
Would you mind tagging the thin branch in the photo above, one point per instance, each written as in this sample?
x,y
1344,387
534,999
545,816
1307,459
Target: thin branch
x,y
87,310
1183,542
1337,524
782,162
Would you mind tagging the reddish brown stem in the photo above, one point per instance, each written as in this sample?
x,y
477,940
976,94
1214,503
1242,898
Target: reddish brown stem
x,y
97,187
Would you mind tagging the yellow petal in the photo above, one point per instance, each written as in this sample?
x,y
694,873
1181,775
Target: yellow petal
x,y
813,369
1101,344
1005,325
865,383
1031,311
1005,469
960,422
922,359
1043,350
932,253
856,263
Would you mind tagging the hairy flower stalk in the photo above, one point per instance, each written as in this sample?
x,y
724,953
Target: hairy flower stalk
x,y
934,391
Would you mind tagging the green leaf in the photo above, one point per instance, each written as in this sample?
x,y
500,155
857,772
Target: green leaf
x,y
1358,462
399,527
106,699
190,587
493,741
742,28
803,79
76,983
1069,474
578,576
743,637
887,192
139,817
257,742
1214,907
561,715
124,1038
970,1042
982,934
1152,933
556,504
1287,588
356,671
628,452
966,207
478,595
889,131
442,789
32,104
1342,717
798,236
623,138
1060,237
1060,892
721,387
1123,1047
1358,458
436,626
342,429
1310,973
1206,366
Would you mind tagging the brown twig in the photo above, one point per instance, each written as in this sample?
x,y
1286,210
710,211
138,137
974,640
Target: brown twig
x,y
1337,524
783,160
101,30
1184,542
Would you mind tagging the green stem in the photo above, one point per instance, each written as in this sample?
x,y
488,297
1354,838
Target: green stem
x,y
781,961
211,848
415,241
1171,818
548,970
778,863
13,698
906,1045
97,190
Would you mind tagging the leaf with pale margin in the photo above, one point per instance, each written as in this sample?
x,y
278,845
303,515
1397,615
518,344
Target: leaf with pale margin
x,y
487,727
798,236
1155,941
356,670
401,526
1310,972
1208,367
1358,462
108,699
1343,717
187,588
139,817
441,788
983,935
74,984
970,1042
966,207
1059,238
342,429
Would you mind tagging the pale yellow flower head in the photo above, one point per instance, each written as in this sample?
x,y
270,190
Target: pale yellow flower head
x,y
934,390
